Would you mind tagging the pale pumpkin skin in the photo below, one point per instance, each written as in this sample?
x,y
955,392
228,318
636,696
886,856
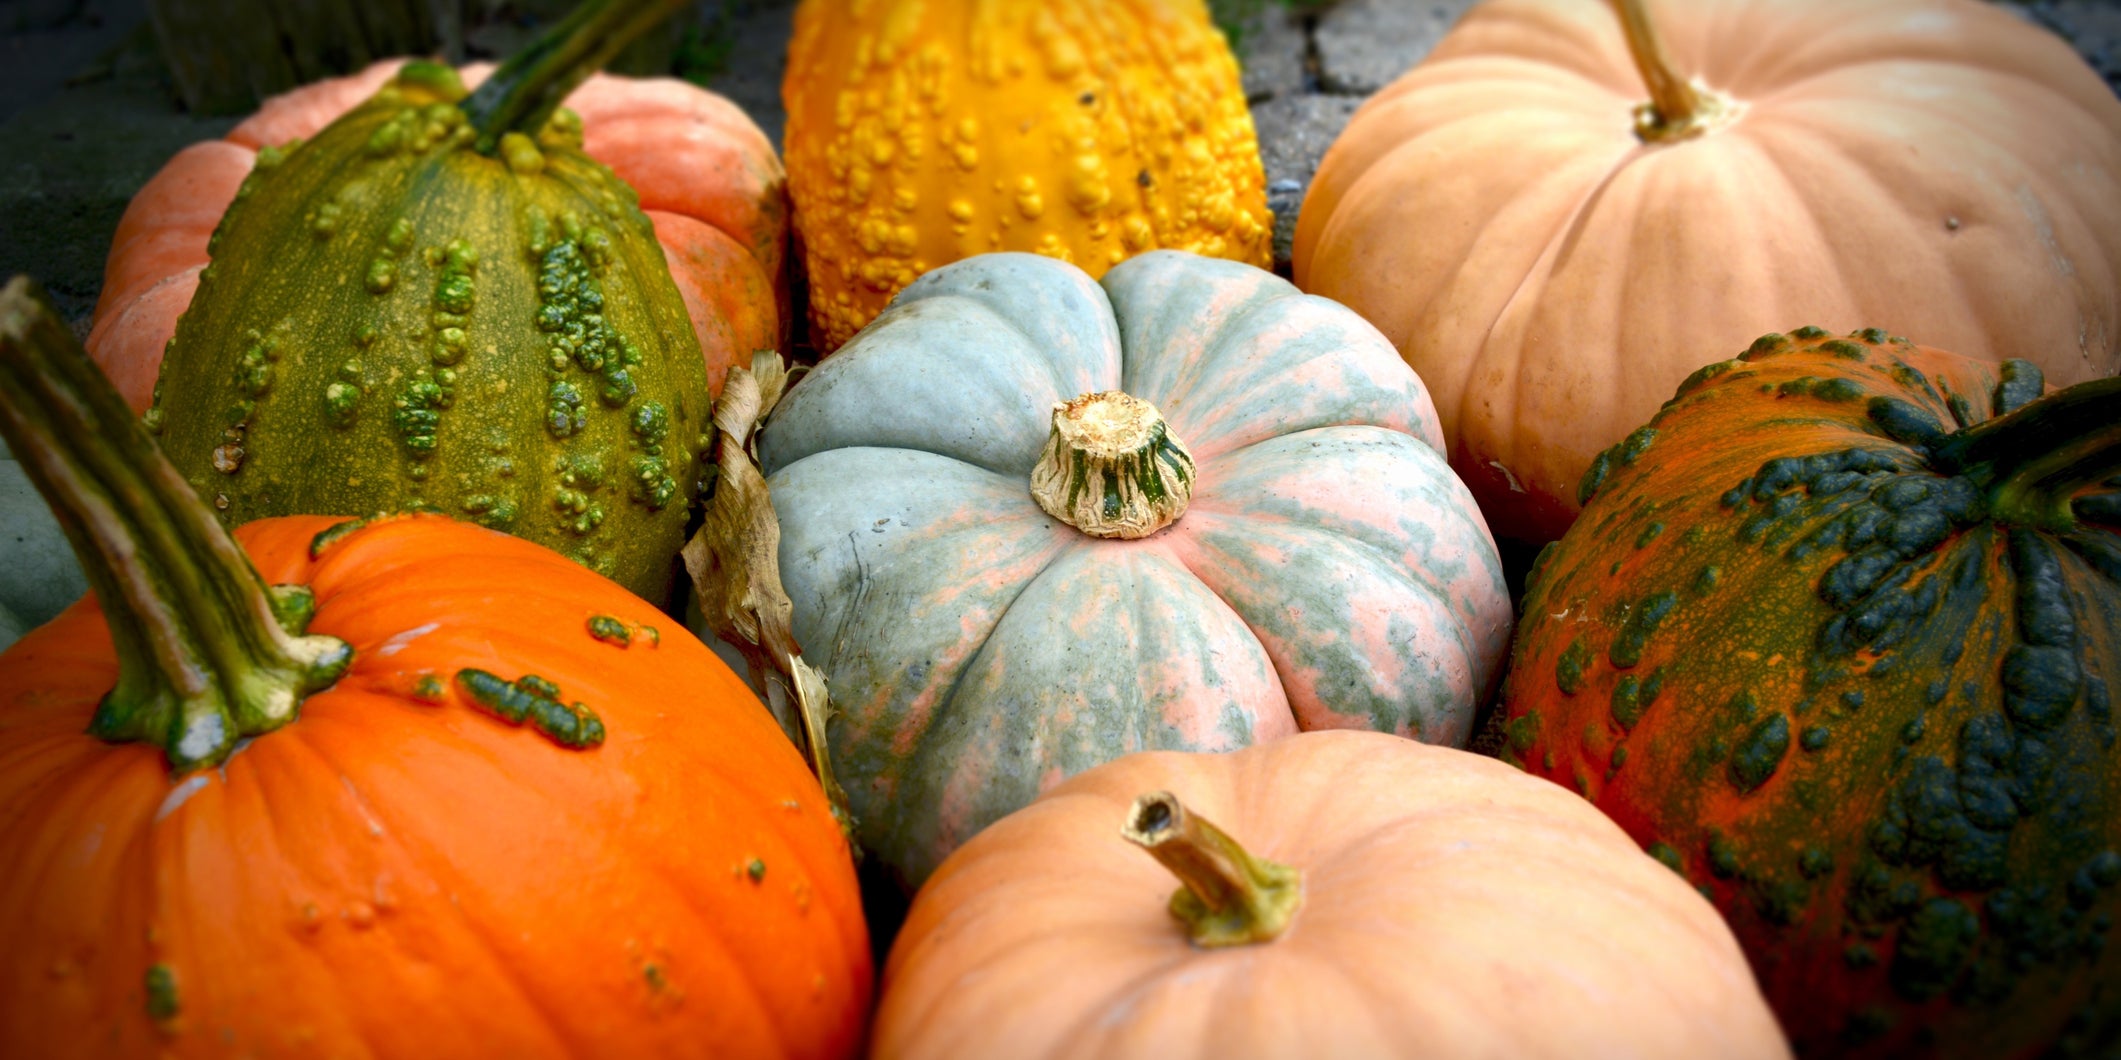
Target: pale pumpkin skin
x,y
1330,571
1452,907
1085,130
1936,168
707,178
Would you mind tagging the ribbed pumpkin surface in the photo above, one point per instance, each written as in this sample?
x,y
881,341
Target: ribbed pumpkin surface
x,y
400,872
1330,572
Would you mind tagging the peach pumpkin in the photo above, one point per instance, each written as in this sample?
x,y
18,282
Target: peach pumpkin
x,y
1358,895
1936,168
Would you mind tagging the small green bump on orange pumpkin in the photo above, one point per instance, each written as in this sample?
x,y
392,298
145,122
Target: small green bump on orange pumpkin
x,y
1839,388
1642,623
652,974
1668,856
1701,375
1569,670
756,869
1649,533
1905,422
332,535
1594,477
1636,443
1760,753
1844,348
534,700
428,689
1769,344
1815,862
1522,732
2019,383
1962,410
162,1001
610,630
1723,855
1815,738
1705,582
1932,948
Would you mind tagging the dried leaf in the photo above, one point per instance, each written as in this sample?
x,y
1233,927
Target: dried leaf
x,y
734,561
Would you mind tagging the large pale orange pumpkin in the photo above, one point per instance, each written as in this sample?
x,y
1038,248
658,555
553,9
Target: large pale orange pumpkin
x,y
706,176
1085,130
439,792
1443,905
1554,268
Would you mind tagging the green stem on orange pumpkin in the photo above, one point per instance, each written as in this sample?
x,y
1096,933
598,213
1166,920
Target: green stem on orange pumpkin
x,y
207,654
525,90
1230,898
1112,468
2035,459
1678,109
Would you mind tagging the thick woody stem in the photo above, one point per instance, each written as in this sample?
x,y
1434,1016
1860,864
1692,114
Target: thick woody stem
x,y
1678,109
1230,898
1112,468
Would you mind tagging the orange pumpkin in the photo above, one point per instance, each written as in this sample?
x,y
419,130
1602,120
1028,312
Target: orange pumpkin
x,y
1444,905
707,178
1936,168
509,817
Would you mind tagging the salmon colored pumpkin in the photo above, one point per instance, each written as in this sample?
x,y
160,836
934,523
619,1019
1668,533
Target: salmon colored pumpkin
x,y
1085,130
1031,522
1554,267
1354,894
1837,637
440,792
706,176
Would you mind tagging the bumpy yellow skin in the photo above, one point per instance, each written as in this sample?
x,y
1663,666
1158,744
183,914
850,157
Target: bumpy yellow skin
x,y
924,131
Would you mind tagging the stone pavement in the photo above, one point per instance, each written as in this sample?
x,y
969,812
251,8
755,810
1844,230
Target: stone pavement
x,y
88,116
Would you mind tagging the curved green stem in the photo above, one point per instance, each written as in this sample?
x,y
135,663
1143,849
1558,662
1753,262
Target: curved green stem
x,y
1678,109
2035,459
207,654
527,88
1230,898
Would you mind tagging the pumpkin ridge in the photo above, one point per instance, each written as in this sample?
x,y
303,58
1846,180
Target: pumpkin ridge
x,y
946,698
298,744
421,850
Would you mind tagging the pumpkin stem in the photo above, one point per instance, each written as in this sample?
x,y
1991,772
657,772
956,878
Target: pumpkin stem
x,y
525,90
1112,468
1678,109
1230,898
207,654
2035,459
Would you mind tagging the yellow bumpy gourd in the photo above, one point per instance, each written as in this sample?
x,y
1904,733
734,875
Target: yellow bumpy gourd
x,y
924,131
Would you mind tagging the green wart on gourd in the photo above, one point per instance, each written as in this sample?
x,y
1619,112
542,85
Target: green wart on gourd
x,y
435,267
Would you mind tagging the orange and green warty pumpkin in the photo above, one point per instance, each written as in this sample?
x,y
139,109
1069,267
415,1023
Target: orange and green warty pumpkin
x,y
1085,130
1337,894
1031,522
1838,637
445,298
407,787
1553,216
